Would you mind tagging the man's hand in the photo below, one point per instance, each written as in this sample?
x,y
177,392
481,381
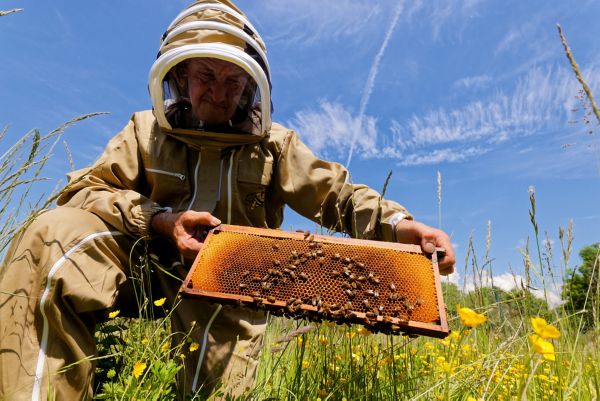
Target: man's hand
x,y
187,229
413,232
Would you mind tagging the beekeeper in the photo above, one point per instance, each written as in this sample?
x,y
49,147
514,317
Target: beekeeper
x,y
206,154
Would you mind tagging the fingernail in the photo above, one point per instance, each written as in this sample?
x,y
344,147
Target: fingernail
x,y
215,222
429,247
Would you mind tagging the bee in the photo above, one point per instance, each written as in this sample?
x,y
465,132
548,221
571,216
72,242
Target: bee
x,y
265,286
349,305
361,279
311,238
321,261
376,294
243,286
256,279
303,276
351,294
371,315
420,301
336,256
381,308
292,275
335,273
366,303
395,328
346,261
291,301
256,294
271,299
246,274
293,267
275,247
370,292
295,254
334,307
392,287
346,286
276,263
393,297
319,253
360,265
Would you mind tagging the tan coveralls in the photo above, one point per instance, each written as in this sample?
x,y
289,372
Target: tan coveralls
x,y
71,266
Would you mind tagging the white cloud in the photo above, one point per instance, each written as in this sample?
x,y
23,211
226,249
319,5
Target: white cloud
x,y
506,282
309,22
329,130
475,82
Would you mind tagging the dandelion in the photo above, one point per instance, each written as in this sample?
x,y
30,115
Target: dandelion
x,y
138,369
305,364
543,329
160,302
470,317
299,340
194,346
542,347
114,314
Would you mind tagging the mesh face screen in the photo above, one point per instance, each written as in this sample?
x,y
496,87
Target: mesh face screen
x,y
387,287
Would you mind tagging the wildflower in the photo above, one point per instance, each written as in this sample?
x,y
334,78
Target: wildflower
x,y
323,340
542,347
299,340
114,314
305,364
350,335
322,392
363,331
138,369
194,346
160,302
165,347
145,341
543,329
182,356
470,317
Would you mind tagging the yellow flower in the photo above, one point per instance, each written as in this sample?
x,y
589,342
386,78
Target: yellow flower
x,y
111,373
350,335
542,347
323,340
138,369
160,302
114,314
363,331
299,340
543,329
165,347
470,317
194,346
305,364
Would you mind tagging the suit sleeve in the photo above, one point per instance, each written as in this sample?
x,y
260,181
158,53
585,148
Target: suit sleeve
x,y
323,192
113,187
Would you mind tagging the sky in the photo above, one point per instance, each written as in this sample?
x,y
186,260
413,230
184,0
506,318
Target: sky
x,y
472,105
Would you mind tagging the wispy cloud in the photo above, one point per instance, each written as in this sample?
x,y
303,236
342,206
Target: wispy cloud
x,y
313,21
541,99
329,129
475,82
368,89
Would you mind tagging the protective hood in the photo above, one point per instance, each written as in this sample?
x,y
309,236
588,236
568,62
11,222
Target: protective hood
x,y
210,84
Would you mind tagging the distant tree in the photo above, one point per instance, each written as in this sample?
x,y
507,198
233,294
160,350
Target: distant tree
x,y
580,288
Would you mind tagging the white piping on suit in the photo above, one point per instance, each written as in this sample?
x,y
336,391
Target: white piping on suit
x,y
219,307
35,395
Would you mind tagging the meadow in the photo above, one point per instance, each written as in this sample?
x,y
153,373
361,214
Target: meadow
x,y
503,346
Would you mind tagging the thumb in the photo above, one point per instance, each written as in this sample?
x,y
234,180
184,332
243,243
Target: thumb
x,y
427,245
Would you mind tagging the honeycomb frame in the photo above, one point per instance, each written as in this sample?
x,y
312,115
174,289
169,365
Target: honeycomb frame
x,y
387,287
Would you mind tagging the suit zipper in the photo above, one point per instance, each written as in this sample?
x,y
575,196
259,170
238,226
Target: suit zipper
x,y
154,170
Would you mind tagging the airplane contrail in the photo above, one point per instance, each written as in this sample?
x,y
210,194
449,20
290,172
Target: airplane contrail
x,y
368,89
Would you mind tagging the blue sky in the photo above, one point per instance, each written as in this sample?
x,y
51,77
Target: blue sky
x,y
479,91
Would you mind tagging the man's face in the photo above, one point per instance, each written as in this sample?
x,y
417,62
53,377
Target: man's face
x,y
214,87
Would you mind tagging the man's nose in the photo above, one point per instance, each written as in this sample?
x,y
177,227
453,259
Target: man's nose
x,y
218,92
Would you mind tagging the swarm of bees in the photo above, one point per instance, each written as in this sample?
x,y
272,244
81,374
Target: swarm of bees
x,y
380,307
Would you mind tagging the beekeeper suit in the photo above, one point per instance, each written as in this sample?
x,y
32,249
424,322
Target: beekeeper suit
x,y
207,153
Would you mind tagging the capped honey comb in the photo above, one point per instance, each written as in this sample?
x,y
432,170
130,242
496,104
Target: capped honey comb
x,y
387,287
